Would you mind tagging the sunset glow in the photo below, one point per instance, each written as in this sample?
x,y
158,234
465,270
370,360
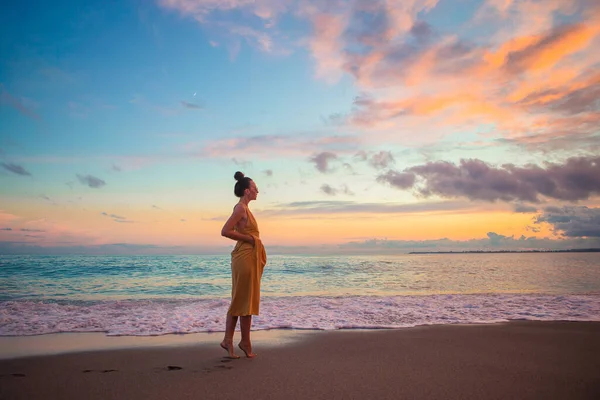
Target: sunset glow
x,y
399,125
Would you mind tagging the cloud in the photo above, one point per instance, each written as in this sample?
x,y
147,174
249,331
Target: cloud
x,y
577,179
493,242
242,163
328,190
257,32
6,217
346,190
322,161
361,156
582,136
400,180
117,218
351,207
15,169
48,199
262,40
277,145
520,208
331,191
48,232
191,106
571,221
326,45
116,168
454,81
200,8
524,67
17,104
422,31
383,159
570,96
335,119
546,50
113,216
91,181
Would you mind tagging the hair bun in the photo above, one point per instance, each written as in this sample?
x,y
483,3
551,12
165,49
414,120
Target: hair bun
x,y
238,175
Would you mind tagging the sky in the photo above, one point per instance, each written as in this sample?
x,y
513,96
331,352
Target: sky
x,y
368,126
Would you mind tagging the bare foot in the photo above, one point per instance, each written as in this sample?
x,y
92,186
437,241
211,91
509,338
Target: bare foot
x,y
228,346
247,349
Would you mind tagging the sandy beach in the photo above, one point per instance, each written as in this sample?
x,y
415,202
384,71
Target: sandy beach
x,y
516,360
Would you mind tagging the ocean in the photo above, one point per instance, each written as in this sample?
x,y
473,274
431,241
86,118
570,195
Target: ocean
x,y
157,295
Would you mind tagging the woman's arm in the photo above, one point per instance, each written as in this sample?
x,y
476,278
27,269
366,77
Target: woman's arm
x,y
229,228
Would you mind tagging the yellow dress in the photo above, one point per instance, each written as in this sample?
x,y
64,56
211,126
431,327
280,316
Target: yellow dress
x,y
247,265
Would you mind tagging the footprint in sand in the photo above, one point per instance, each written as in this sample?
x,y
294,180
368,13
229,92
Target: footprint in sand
x,y
85,371
216,368
15,375
167,368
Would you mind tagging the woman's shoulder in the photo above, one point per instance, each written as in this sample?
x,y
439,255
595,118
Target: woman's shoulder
x,y
240,207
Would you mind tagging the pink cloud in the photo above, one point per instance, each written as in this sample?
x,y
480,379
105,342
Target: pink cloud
x,y
6,217
200,9
524,76
326,46
256,31
45,232
524,17
274,146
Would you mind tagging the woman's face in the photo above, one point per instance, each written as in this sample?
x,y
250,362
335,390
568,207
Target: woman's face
x,y
252,191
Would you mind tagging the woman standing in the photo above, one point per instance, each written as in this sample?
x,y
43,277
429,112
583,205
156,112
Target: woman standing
x,y
248,260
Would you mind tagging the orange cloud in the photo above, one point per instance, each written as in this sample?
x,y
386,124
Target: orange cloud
x,y
545,51
548,73
524,71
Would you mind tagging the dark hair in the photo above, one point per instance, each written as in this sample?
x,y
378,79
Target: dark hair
x,y
243,183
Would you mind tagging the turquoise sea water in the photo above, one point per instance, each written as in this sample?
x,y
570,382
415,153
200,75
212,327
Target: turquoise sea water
x,y
150,295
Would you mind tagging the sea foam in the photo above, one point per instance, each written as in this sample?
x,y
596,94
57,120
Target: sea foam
x,y
164,316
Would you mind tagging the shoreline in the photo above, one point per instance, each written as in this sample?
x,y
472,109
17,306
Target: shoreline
x,y
52,344
60,343
516,359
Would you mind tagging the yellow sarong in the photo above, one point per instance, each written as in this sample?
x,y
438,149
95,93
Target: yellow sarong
x,y
247,265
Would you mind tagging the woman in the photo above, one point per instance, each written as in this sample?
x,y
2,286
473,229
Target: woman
x,y
248,260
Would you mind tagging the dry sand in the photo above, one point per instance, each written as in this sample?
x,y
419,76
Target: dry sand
x,y
516,360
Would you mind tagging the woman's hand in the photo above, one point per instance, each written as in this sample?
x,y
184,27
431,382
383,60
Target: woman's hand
x,y
229,228
251,241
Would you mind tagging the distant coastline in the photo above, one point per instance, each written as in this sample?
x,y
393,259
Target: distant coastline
x,y
593,250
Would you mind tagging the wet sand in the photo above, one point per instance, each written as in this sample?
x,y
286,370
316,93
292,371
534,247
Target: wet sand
x,y
516,360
